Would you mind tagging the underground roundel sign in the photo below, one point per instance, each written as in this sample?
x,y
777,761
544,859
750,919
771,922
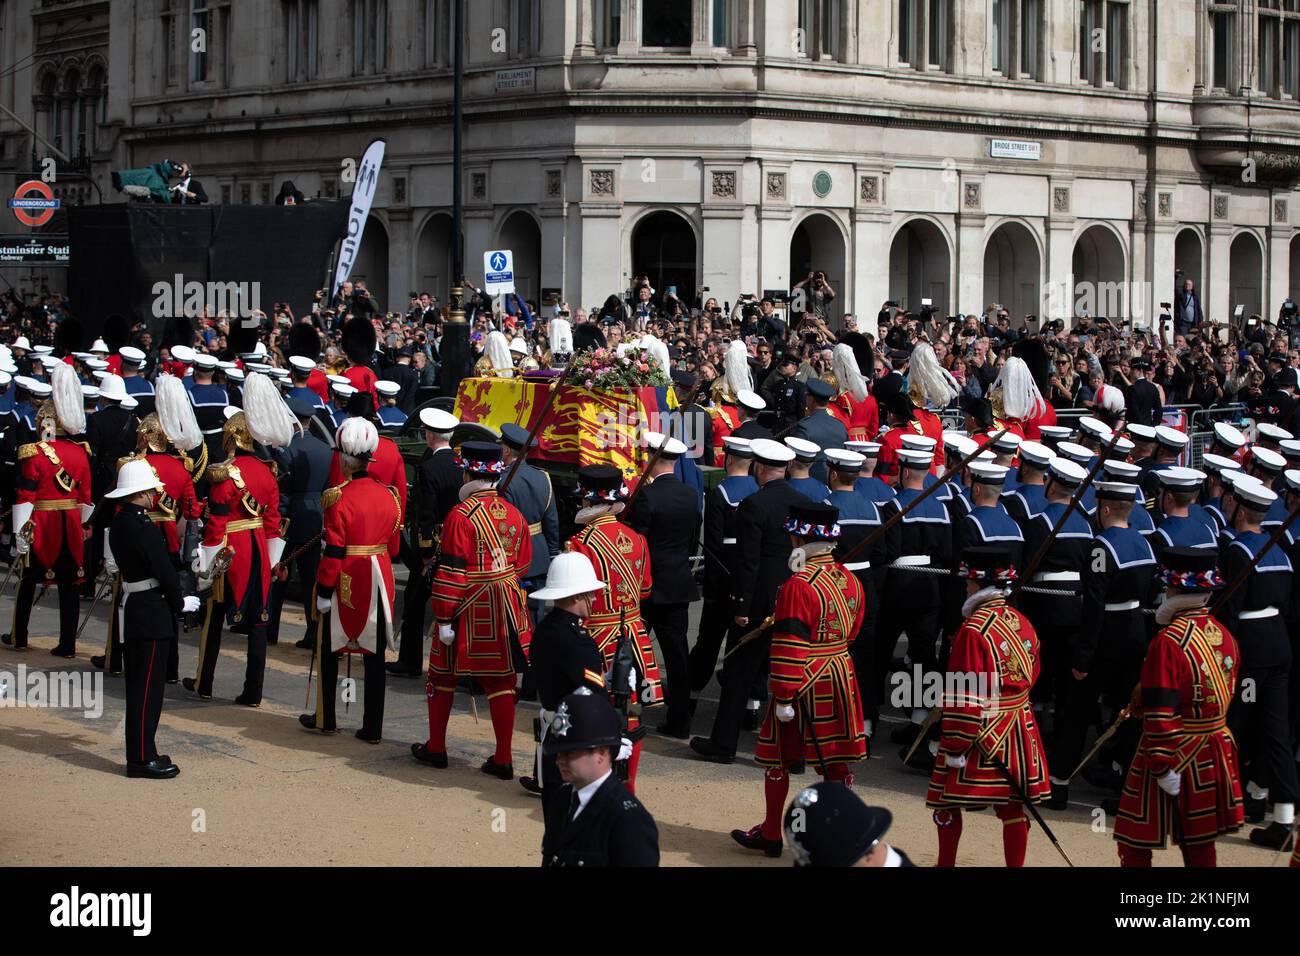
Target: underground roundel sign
x,y
34,203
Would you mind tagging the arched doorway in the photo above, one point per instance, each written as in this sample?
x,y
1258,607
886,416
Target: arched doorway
x,y
818,246
1012,267
1188,260
372,262
663,250
1246,275
522,236
920,267
1099,275
433,257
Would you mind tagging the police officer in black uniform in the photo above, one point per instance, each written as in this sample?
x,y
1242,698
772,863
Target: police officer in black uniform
x,y
593,820
437,491
563,655
784,392
828,825
152,602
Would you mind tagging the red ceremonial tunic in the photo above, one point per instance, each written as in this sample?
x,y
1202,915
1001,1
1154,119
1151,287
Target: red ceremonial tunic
x,y
861,418
1046,415
243,511
726,419
178,499
363,524
319,384
621,558
486,550
818,613
363,378
1188,681
996,647
386,466
892,440
55,480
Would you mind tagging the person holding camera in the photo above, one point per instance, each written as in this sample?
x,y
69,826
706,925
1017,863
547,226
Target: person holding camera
x,y
818,294
1188,317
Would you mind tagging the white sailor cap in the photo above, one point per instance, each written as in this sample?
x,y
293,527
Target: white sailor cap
x,y
99,373
751,400
953,440
226,366
89,392
1290,448
436,420
1115,490
301,363
1267,460
915,458
257,367
1273,432
339,380
803,449
5,379
920,443
1216,464
205,361
672,448
1176,477
43,349
1228,436
183,354
81,356
235,374
281,373
1055,432
1094,428
344,390
848,462
230,411
1141,432
1230,477
384,387
131,355
1254,494
959,446
7,365
26,382
987,473
1007,443
128,403
1035,454
1120,469
49,361
1122,445
1292,476
867,449
737,446
1074,452
1171,437
1067,472
769,452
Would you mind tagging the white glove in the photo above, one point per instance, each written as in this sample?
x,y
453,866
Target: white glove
x,y
275,550
624,750
22,545
109,564
785,712
1171,783
446,634
955,761
631,680
191,604
324,604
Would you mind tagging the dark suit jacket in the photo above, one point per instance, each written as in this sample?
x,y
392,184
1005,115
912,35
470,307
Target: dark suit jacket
x,y
750,430
409,379
667,513
825,431
110,432
612,830
762,549
304,471
437,490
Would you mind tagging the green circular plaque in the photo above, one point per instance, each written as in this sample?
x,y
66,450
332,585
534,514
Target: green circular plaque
x,y
822,184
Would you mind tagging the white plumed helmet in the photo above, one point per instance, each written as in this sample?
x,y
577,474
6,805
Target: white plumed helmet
x,y
845,365
357,437
68,404
268,418
176,413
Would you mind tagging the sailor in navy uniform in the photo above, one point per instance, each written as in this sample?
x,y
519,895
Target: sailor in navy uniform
x,y
593,820
819,426
1005,449
805,456
437,490
748,405
1267,466
1094,435
827,824
1219,473
563,654
859,518
875,489
921,540
928,445
720,506
1106,656
1053,435
148,612
1170,445
300,369
137,386
1082,456
1256,615
30,394
342,391
391,418
530,491
1139,519
1178,528
955,495
1055,616
1026,499
209,400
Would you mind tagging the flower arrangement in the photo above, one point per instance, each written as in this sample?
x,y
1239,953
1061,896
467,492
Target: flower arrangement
x,y
606,369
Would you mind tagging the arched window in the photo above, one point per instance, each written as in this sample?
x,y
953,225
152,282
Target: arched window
x,y
96,98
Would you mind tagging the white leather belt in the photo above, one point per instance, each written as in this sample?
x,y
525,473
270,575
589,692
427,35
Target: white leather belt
x,y
1124,606
133,587
1057,576
911,561
212,431
728,540
1259,614
857,566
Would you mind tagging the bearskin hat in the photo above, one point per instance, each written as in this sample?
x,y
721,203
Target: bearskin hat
x,y
1034,354
68,336
359,341
588,336
116,332
304,340
243,337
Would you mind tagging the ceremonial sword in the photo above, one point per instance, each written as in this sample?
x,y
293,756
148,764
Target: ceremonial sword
x,y
1020,793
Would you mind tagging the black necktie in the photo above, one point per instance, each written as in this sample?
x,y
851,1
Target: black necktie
x,y
573,806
